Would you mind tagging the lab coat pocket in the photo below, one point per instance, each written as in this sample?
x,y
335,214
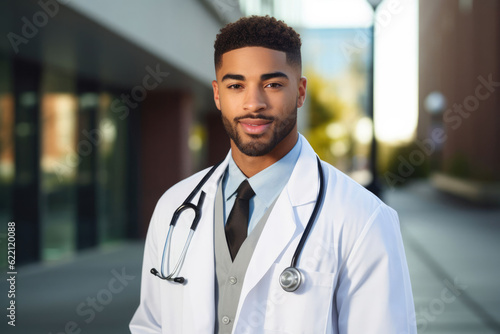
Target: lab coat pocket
x,y
305,310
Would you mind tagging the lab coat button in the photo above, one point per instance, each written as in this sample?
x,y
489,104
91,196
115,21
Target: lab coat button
x,y
226,320
232,280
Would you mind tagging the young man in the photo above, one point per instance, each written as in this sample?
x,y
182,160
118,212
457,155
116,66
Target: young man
x,y
255,207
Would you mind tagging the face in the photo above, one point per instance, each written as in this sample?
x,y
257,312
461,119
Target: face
x,y
258,94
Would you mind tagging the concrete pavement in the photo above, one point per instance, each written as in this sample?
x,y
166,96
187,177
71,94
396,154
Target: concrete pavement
x,y
96,293
453,253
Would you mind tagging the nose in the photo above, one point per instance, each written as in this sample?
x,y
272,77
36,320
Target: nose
x,y
255,99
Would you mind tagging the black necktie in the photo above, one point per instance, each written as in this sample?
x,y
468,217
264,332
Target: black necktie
x,y
237,222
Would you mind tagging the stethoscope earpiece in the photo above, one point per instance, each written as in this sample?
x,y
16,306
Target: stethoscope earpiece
x,y
180,280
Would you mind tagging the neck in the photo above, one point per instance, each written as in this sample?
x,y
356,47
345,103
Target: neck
x,y
252,165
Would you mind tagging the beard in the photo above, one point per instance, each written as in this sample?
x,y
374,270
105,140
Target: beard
x,y
257,145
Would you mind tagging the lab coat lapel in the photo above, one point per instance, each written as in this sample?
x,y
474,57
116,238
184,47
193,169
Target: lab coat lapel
x,y
283,224
199,312
277,233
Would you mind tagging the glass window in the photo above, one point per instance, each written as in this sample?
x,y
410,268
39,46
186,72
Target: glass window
x,y
59,165
112,172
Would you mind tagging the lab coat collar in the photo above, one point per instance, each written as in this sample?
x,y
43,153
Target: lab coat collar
x,y
303,186
283,223
210,187
281,226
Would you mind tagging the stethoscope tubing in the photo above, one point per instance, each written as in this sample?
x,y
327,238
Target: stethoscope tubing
x,y
290,279
312,218
197,211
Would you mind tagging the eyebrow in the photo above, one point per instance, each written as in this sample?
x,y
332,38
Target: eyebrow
x,y
263,77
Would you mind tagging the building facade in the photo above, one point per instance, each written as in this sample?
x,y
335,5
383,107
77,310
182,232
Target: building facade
x,y
103,106
459,95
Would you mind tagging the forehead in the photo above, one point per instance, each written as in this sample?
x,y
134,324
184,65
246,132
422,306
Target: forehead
x,y
253,60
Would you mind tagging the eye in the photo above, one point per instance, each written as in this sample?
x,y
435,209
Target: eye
x,y
234,86
274,85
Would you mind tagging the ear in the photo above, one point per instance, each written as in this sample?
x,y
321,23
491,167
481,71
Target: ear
x,y
302,92
215,87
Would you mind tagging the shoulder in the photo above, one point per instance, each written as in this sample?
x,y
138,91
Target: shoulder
x,y
343,195
173,197
359,221
348,191
356,207
179,191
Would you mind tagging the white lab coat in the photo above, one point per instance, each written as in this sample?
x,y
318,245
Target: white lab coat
x,y
356,275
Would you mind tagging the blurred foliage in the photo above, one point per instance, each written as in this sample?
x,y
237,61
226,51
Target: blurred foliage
x,y
460,165
400,163
335,106
325,104
198,145
325,108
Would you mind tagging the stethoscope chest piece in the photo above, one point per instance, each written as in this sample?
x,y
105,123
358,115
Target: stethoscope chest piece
x,y
290,279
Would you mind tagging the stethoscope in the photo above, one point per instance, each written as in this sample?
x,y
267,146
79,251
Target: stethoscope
x,y
290,279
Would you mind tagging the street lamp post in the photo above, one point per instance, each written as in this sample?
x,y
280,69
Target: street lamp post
x,y
435,105
374,185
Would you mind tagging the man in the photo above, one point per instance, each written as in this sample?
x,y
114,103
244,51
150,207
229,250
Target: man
x,y
255,208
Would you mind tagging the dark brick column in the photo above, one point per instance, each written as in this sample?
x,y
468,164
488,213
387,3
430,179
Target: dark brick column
x,y
165,119
218,141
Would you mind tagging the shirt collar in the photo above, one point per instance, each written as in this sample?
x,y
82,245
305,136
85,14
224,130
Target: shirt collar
x,y
266,184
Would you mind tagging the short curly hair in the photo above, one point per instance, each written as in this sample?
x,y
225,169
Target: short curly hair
x,y
264,31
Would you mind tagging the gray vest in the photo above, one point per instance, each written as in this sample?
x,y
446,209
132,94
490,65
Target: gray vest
x,y
229,275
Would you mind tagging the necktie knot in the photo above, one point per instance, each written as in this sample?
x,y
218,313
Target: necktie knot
x,y
245,191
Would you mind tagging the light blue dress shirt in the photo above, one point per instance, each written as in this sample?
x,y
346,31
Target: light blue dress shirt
x,y
267,184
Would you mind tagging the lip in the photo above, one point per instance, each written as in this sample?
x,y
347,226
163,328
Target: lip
x,y
255,126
